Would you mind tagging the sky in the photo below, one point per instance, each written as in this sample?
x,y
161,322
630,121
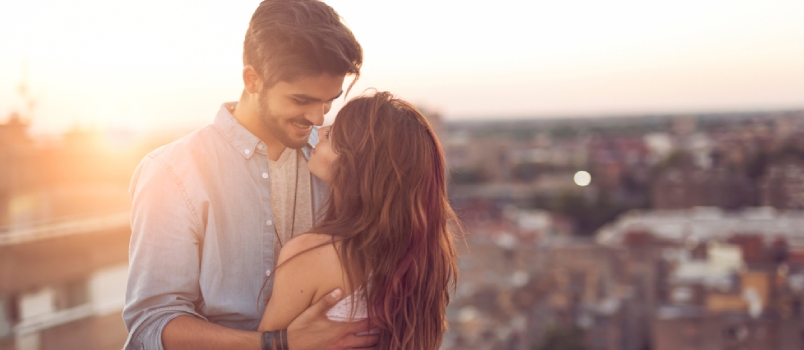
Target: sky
x,y
154,65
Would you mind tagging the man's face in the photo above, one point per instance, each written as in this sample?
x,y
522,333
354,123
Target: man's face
x,y
288,110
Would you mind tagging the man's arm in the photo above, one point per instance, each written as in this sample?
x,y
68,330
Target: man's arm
x,y
310,331
185,332
164,258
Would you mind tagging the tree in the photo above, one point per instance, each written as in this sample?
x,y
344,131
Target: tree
x,y
562,338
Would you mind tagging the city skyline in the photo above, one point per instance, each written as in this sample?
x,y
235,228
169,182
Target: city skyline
x,y
149,66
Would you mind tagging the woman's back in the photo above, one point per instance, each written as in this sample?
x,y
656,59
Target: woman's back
x,y
309,268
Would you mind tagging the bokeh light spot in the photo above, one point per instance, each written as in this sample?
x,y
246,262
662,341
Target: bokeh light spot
x,y
582,178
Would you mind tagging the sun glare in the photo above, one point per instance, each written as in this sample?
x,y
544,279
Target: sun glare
x,y
151,64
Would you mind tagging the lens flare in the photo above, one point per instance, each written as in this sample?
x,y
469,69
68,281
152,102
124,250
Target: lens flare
x,y
582,178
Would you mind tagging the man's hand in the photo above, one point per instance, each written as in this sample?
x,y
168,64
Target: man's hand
x,y
312,330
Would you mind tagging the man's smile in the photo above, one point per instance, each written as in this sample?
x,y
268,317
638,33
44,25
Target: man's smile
x,y
306,127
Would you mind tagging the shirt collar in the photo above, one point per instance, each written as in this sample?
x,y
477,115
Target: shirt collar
x,y
243,140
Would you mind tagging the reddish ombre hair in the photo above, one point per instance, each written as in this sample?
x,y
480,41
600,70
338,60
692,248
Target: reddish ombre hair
x,y
389,210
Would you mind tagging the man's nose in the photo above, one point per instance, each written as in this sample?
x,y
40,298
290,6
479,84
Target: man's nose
x,y
316,115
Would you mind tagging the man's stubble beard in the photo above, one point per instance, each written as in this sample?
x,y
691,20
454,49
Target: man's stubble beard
x,y
271,122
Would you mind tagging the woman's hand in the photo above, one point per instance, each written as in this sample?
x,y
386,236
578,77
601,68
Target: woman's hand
x,y
312,330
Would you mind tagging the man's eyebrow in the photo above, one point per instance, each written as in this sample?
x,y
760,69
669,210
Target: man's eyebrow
x,y
314,99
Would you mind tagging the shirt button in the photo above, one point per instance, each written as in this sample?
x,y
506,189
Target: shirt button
x,y
260,146
264,175
247,151
269,222
268,272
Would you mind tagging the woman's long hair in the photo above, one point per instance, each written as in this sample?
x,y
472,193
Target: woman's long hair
x,y
388,207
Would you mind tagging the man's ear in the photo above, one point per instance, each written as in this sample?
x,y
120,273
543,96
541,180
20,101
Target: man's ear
x,y
252,80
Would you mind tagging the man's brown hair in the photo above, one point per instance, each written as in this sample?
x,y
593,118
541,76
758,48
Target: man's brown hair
x,y
289,39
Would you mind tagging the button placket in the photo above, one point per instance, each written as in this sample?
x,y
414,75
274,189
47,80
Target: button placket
x,y
267,230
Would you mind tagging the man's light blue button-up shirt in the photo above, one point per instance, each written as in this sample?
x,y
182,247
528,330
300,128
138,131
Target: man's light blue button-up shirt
x,y
202,232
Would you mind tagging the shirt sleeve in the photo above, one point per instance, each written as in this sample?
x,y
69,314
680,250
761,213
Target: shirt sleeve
x,y
164,255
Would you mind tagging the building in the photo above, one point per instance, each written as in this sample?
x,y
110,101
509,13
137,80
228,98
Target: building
x,y
64,233
63,284
688,186
731,281
782,186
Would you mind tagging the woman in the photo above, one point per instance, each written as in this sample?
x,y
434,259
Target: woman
x,y
384,237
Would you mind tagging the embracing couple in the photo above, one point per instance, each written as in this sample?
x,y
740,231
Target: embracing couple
x,y
264,231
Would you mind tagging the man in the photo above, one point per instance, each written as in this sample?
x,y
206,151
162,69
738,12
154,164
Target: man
x,y
211,210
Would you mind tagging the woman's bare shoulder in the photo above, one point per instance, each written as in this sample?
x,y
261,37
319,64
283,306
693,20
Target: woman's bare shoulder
x,y
315,256
304,272
308,245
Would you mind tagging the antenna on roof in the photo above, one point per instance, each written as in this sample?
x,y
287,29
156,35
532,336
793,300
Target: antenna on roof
x,y
25,92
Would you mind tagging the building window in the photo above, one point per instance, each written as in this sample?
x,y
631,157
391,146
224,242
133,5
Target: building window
x,y
737,333
71,294
6,317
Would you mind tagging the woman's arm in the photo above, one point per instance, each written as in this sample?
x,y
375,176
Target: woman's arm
x,y
302,277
